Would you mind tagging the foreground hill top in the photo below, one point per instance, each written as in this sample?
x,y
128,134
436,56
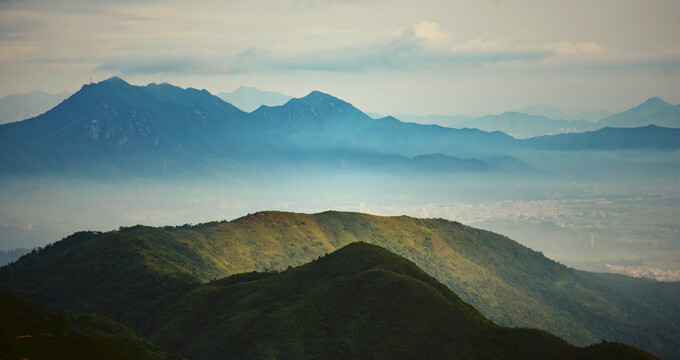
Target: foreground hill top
x,y
131,273
359,302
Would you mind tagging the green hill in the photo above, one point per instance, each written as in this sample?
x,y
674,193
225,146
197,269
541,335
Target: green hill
x,y
29,331
132,273
359,302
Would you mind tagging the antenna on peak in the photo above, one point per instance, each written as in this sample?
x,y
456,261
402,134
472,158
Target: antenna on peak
x,y
90,79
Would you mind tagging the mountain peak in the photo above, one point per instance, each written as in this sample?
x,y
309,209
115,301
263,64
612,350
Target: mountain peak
x,y
318,95
248,98
113,80
244,88
655,101
653,111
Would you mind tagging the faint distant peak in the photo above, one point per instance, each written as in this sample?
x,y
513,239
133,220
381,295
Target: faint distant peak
x,y
389,117
246,89
543,110
248,98
552,112
655,101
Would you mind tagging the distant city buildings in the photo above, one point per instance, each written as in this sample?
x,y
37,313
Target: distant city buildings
x,y
646,272
569,130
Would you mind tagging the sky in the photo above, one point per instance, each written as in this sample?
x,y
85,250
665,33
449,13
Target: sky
x,y
390,57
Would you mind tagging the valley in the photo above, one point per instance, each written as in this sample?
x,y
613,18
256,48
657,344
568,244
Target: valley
x,y
114,156
339,179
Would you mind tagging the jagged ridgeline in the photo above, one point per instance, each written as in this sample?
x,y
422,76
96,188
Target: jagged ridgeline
x,y
160,281
114,129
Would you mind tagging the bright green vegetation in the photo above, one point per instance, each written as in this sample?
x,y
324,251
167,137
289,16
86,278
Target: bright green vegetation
x,y
131,274
29,331
359,302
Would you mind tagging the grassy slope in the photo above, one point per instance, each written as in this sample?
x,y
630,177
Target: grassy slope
x,y
509,283
28,330
360,302
119,275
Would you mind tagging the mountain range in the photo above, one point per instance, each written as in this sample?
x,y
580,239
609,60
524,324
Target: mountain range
x,y
160,281
23,106
113,127
541,120
650,136
249,98
516,124
556,113
654,111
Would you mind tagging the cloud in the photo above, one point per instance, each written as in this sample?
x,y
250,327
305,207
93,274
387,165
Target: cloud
x,y
151,66
20,26
431,32
570,48
422,47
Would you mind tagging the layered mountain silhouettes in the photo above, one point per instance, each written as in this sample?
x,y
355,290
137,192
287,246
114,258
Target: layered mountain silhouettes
x,y
113,127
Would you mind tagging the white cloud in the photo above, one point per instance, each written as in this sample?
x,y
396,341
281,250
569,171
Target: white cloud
x,y
269,44
570,48
495,45
431,32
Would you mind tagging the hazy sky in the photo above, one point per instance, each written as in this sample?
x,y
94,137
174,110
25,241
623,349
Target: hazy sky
x,y
391,57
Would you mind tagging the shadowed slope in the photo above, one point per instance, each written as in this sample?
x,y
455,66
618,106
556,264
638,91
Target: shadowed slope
x,y
359,302
29,331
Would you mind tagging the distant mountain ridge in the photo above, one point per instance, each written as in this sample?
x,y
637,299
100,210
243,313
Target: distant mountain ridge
x,y
654,111
611,139
18,107
525,126
249,98
118,129
121,123
555,113
516,124
544,120
112,126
